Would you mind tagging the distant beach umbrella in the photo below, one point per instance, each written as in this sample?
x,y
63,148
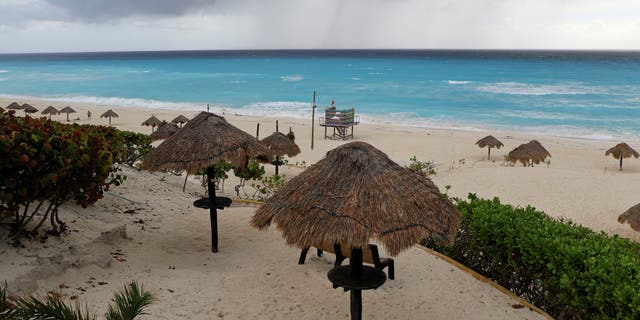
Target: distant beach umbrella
x,y
489,142
280,145
67,110
27,108
620,151
204,141
50,110
165,130
14,106
180,120
109,114
354,195
152,122
632,216
528,153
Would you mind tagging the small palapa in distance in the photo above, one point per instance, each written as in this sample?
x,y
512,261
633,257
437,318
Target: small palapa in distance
x,y
620,151
490,142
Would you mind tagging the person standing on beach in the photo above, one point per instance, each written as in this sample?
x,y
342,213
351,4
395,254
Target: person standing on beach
x,y
88,114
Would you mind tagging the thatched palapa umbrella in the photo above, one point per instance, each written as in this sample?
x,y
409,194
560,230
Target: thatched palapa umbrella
x,y
528,153
632,216
67,110
356,194
280,145
620,151
204,141
14,106
109,114
50,110
180,120
489,142
165,130
27,108
152,122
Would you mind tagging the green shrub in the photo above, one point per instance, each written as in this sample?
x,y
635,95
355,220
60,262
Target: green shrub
x,y
134,146
423,168
266,186
567,270
44,164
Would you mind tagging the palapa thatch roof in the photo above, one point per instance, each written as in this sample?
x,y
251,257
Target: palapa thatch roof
x,y
14,105
490,141
1,109
50,110
165,130
67,110
109,114
622,150
632,216
356,194
180,119
204,141
153,121
280,145
27,108
531,151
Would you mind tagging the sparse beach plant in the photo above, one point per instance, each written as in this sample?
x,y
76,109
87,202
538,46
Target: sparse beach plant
x,y
127,304
266,186
423,168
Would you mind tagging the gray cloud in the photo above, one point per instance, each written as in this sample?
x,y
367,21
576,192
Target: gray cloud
x,y
101,10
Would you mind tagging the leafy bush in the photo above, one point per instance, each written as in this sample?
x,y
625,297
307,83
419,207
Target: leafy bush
x,y
423,168
44,164
266,186
129,303
220,170
567,270
134,146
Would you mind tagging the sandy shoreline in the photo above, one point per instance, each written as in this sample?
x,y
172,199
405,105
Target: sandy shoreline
x,y
256,276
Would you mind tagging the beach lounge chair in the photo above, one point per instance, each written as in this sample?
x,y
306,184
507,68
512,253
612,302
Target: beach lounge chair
x,y
370,256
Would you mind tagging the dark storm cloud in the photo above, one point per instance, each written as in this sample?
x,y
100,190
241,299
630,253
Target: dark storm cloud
x,y
100,10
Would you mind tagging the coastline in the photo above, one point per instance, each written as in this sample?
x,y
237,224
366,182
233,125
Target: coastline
x,y
580,184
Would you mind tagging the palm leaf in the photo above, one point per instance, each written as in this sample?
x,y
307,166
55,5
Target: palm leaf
x,y
49,308
129,303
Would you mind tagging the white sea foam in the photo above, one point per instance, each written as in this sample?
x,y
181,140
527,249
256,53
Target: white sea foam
x,y
3,71
458,82
518,88
355,78
117,102
292,78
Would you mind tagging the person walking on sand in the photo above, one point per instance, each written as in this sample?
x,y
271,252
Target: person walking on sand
x,y
88,114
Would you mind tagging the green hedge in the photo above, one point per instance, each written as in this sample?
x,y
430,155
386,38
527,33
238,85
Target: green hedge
x,y
567,270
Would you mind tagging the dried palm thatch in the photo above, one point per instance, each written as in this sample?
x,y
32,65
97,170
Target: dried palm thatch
x,y
490,142
109,114
152,122
27,108
528,153
281,145
632,216
355,194
180,120
1,110
50,110
14,106
204,141
67,110
620,151
165,130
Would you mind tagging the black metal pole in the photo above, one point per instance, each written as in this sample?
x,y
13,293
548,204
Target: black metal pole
x,y
277,126
313,117
621,162
356,295
277,163
258,131
213,211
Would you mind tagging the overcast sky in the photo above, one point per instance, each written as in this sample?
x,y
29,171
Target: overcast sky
x,y
125,25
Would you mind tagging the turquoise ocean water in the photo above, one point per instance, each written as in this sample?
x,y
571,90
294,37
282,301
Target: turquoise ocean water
x,y
594,95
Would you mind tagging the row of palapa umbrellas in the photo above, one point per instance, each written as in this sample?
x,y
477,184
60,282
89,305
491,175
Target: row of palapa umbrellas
x,y
51,110
533,152
353,196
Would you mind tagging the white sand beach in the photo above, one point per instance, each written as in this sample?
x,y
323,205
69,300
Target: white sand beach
x,y
148,230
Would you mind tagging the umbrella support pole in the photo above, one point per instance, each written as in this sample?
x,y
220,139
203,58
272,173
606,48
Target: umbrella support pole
x,y
213,211
356,305
621,162
277,162
356,295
